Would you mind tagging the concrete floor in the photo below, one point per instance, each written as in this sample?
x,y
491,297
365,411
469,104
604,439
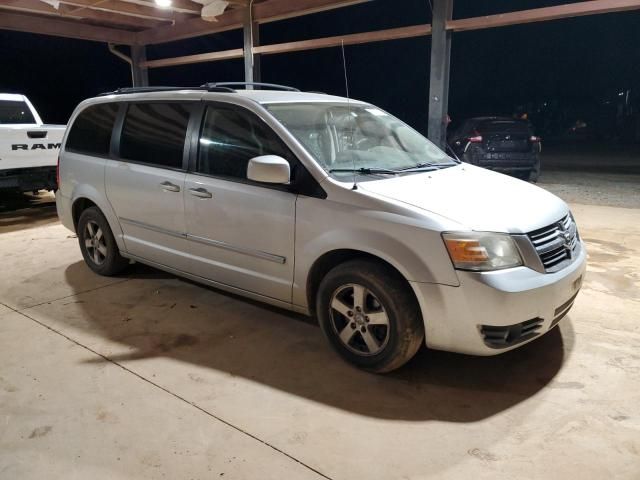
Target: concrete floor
x,y
150,376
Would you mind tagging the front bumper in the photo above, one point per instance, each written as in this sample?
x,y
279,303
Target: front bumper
x,y
467,318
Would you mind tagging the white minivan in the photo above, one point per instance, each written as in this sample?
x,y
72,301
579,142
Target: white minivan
x,y
322,205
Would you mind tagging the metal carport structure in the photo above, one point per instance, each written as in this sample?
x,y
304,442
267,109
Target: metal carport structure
x,y
138,23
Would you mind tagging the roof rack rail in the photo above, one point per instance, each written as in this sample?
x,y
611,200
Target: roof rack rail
x,y
228,85
223,87
131,90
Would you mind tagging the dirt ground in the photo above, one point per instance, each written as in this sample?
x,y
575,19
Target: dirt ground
x,y
593,188
28,210
592,174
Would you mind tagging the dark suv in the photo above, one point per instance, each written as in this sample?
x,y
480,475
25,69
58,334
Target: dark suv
x,y
502,144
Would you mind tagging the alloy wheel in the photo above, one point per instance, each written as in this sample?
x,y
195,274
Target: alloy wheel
x,y
359,319
95,244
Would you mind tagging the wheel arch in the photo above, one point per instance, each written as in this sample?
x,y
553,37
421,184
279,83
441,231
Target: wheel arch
x,y
80,205
84,198
331,259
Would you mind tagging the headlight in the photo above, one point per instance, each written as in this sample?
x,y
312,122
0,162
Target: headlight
x,y
482,251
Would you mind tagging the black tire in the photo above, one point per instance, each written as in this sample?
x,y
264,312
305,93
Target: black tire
x,y
385,289
105,260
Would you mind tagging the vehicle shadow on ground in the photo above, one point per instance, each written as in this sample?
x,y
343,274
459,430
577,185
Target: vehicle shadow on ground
x,y
157,315
19,211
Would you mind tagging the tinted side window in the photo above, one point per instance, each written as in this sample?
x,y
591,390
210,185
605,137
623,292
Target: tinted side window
x,y
230,137
15,112
154,133
91,130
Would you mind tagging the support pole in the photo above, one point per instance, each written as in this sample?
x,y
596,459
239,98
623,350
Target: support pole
x,y
439,77
140,75
251,39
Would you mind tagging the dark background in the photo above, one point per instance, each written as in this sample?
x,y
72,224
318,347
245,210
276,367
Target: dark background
x,y
558,72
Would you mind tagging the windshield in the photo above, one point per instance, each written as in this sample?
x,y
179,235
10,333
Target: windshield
x,y
344,137
15,112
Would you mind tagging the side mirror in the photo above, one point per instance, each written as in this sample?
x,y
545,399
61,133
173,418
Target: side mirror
x,y
269,169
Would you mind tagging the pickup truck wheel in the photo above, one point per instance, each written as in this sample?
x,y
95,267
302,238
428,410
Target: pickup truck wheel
x,y
369,316
98,245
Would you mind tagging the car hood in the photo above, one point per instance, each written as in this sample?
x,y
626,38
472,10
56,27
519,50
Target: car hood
x,y
476,198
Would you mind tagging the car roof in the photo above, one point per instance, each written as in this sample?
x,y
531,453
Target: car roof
x,y
276,96
12,97
259,96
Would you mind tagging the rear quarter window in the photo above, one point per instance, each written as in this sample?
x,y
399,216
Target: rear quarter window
x,y
92,128
154,134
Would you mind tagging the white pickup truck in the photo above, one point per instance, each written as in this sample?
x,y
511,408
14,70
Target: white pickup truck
x,y
28,148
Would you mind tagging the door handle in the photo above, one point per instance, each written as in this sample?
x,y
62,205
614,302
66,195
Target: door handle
x,y
200,192
169,187
37,134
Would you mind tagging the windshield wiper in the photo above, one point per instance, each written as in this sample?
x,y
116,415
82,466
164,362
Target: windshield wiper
x,y
421,167
425,167
365,171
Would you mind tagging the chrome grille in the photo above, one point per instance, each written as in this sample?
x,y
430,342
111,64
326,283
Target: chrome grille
x,y
556,244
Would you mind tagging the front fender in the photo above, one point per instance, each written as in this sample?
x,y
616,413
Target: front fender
x,y
417,253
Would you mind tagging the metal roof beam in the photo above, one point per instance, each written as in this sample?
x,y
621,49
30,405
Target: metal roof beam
x,y
268,11
317,43
64,28
125,8
589,7
183,6
78,13
352,39
110,17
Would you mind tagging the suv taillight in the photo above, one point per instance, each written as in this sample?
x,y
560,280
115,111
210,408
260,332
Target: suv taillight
x,y
475,139
534,139
58,173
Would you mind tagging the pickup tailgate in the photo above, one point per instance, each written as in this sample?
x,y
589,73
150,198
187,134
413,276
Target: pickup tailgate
x,y
26,146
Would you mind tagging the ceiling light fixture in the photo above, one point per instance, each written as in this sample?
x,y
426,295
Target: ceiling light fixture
x,y
163,3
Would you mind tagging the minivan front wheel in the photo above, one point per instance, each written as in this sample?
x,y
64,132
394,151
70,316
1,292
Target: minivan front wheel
x,y
98,245
369,315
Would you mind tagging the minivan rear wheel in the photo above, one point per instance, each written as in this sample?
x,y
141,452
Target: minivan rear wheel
x,y
98,245
369,315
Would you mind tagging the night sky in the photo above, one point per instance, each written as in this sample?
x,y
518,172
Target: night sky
x,y
579,61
